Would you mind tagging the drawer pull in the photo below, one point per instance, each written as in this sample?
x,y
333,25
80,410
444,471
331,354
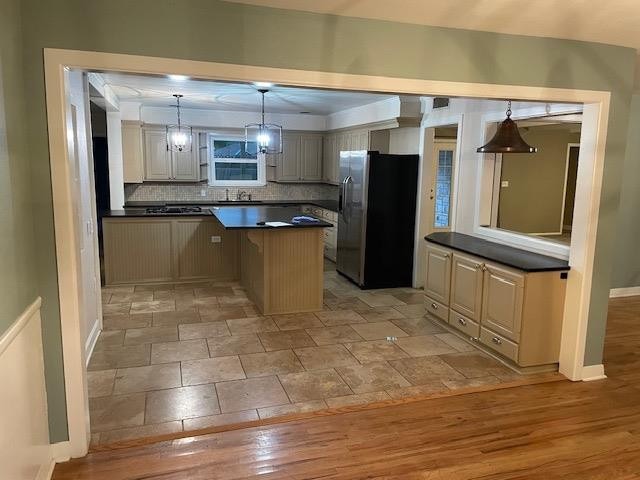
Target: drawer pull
x,y
446,255
497,340
462,322
434,306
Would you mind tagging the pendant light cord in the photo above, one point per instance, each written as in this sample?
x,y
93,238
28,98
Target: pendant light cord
x,y
509,109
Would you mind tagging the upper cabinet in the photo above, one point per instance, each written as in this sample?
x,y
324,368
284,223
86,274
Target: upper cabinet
x,y
132,152
359,139
300,160
160,164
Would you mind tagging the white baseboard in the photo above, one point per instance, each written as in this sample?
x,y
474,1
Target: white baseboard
x,y
591,373
61,451
46,471
91,341
624,292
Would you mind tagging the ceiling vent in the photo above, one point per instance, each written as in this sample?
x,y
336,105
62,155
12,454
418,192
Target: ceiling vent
x,y
440,102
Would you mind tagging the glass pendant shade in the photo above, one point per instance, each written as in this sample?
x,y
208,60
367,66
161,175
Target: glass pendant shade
x,y
507,139
267,136
179,137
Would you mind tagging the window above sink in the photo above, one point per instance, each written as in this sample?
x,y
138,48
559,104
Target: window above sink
x,y
234,162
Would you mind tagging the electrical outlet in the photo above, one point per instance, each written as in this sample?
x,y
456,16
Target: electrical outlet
x,y
203,192
504,183
216,239
392,339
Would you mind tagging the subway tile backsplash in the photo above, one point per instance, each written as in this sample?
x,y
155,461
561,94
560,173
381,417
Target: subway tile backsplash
x,y
155,192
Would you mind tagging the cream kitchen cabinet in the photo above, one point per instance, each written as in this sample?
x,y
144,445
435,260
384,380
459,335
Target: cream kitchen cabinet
x,y
438,280
132,152
466,286
358,139
513,312
160,164
301,158
330,234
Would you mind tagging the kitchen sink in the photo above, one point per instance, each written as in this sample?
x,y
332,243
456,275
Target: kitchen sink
x,y
239,202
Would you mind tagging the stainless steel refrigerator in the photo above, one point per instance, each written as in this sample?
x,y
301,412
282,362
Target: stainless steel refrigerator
x,y
376,218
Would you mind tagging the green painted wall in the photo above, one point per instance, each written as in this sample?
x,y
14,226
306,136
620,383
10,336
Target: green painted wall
x,y
223,32
18,281
626,269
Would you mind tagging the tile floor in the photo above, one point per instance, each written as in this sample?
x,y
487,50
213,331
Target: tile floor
x,y
184,357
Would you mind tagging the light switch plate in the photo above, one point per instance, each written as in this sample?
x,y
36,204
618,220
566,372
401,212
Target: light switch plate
x,y
216,239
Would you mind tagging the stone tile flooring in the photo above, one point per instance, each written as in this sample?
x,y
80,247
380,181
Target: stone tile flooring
x,y
184,357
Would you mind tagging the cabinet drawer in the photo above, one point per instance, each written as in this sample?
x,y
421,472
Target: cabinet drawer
x,y
436,309
464,324
499,343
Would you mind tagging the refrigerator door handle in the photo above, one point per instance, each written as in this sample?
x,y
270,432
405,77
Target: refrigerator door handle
x,y
342,194
348,195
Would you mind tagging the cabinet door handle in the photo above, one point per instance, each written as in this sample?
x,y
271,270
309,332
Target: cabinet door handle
x,y
497,340
478,266
434,306
446,255
462,322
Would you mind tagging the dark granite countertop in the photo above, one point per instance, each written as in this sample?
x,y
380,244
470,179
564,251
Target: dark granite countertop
x,y
512,257
326,204
142,212
250,217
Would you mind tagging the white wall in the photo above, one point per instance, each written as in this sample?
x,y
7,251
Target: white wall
x,y
116,167
81,166
25,453
404,141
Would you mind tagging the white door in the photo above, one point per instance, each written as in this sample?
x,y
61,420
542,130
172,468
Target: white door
x,y
81,164
440,199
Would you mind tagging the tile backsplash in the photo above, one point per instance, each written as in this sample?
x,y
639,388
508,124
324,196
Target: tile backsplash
x,y
272,191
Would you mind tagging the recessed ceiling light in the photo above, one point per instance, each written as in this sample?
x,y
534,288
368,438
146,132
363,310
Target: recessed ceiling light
x,y
178,78
263,84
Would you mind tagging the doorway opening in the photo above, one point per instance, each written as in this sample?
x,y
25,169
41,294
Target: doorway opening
x,y
60,61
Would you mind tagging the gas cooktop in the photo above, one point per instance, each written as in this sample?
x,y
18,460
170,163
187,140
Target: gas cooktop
x,y
173,210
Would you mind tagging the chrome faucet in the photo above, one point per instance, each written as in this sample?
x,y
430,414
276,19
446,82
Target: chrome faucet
x,y
241,195
227,192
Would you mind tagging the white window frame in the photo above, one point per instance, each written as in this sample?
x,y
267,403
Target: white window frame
x,y
260,161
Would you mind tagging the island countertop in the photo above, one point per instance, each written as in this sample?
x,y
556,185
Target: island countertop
x,y
510,256
254,217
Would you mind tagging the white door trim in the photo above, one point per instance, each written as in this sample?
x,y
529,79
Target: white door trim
x,y
56,60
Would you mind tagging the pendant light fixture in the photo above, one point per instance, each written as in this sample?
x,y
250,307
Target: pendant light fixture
x,y
507,139
179,136
268,136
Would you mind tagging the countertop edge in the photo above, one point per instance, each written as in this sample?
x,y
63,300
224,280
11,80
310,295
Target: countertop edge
x,y
558,268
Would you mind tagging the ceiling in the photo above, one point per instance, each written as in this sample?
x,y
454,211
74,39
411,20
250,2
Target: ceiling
x,y
157,92
615,22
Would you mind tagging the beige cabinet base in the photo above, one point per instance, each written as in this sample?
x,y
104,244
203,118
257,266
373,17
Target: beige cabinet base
x,y
282,270
168,249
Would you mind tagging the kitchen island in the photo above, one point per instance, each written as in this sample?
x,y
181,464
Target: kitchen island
x,y
281,267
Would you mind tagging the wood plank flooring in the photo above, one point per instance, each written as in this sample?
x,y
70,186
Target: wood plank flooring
x,y
553,430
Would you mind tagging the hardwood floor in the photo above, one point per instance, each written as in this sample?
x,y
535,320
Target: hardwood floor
x,y
553,430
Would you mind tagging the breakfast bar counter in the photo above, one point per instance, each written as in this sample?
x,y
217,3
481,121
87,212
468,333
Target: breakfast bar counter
x,y
281,262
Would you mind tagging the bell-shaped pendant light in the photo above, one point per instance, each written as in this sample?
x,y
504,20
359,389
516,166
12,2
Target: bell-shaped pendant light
x,y
268,136
179,137
507,139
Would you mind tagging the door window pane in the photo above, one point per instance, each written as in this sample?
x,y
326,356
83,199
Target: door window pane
x,y
442,205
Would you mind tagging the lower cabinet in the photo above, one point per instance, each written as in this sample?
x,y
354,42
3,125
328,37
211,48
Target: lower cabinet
x,y
163,249
330,234
516,314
